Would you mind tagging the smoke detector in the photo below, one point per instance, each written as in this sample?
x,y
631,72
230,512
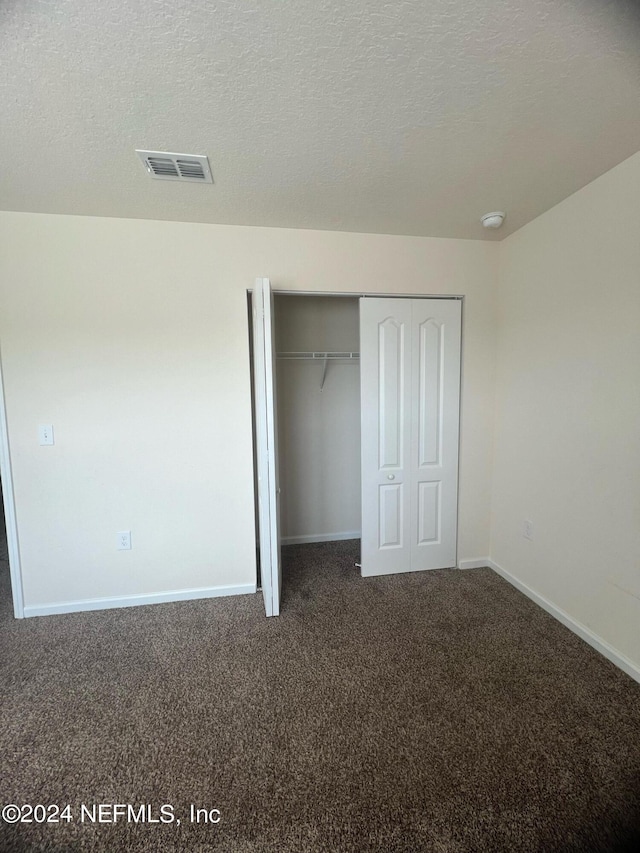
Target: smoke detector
x,y
166,166
493,220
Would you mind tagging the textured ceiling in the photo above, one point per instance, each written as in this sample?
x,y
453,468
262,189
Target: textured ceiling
x,y
405,117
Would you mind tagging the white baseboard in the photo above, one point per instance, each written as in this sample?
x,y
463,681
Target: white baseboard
x,y
137,600
320,537
479,563
600,645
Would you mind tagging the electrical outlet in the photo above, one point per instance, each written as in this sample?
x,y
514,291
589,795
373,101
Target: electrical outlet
x,y
45,434
527,529
124,540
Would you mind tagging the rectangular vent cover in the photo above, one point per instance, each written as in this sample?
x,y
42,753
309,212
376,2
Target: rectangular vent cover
x,y
176,167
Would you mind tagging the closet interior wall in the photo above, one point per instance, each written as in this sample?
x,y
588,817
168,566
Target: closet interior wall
x,y
318,429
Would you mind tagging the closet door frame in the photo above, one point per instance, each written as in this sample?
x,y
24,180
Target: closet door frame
x,y
365,294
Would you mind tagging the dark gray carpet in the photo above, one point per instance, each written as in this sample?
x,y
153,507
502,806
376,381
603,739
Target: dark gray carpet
x,y
430,712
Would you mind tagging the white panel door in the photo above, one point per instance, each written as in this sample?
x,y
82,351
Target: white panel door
x,y
435,398
410,390
385,400
266,446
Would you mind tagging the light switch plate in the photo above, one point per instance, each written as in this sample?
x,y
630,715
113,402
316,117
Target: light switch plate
x,y
45,434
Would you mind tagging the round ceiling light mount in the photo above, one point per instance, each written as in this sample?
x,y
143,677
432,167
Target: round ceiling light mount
x,y
494,219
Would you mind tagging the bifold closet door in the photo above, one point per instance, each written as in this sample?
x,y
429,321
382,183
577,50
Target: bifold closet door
x,y
266,446
410,395
385,412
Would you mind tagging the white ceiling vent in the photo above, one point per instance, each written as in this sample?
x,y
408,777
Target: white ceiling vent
x,y
176,167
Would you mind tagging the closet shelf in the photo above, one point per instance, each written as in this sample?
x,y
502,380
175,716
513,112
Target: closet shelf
x,y
325,357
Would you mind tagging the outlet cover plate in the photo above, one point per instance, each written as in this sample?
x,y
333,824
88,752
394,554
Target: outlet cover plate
x,y
124,540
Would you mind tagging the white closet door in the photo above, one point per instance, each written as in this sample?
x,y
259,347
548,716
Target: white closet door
x,y
410,386
385,400
435,396
267,447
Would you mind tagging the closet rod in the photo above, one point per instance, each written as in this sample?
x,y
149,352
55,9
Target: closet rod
x,y
322,356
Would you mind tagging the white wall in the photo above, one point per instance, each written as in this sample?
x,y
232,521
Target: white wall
x,y
130,336
319,430
567,445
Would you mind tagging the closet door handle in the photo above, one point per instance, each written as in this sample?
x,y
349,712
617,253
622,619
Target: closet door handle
x,y
391,476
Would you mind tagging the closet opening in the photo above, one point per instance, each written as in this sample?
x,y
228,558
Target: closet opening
x,y
356,424
317,367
